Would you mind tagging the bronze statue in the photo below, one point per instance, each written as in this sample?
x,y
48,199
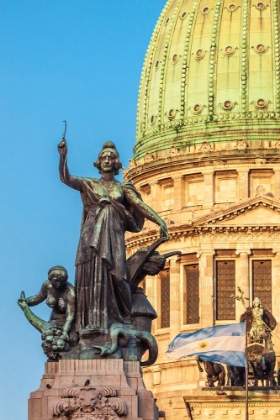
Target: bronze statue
x,y
106,314
109,209
59,295
260,354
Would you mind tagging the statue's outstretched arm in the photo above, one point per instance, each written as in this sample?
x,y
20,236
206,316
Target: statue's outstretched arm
x,y
133,199
66,178
39,297
34,320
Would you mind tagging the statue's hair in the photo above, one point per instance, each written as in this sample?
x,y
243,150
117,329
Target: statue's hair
x,y
109,146
58,268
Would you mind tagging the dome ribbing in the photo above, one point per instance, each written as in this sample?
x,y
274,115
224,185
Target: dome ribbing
x,y
211,73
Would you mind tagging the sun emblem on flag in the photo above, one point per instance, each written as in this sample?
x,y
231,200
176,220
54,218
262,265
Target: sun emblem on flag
x,y
203,345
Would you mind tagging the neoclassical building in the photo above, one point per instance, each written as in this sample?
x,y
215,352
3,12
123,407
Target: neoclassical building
x,y
207,159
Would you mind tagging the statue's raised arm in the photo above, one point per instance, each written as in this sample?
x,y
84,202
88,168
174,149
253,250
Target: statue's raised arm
x,y
66,178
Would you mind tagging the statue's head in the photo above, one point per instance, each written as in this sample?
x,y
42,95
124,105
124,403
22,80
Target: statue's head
x,y
108,159
257,303
58,276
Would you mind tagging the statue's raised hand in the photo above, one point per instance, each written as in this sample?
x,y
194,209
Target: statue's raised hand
x,y
22,302
62,148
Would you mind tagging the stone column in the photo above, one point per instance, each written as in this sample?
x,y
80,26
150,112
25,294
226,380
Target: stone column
x,y
242,276
175,298
206,288
243,184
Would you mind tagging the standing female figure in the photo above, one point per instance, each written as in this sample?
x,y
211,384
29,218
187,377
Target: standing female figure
x,y
109,209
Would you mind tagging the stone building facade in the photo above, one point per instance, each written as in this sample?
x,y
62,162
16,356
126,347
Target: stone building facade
x,y
207,159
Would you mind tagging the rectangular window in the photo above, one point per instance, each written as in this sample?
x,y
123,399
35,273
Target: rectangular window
x,y
225,287
261,271
192,294
165,298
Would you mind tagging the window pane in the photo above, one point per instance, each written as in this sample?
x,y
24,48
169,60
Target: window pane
x,y
225,288
192,292
262,282
165,298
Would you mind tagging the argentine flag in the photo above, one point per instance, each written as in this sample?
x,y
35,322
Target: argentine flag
x,y
221,344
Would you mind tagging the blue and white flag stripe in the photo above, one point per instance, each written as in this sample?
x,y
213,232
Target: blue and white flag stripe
x,y
220,344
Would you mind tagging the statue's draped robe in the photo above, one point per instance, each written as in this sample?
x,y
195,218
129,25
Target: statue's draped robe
x,y
102,289
267,318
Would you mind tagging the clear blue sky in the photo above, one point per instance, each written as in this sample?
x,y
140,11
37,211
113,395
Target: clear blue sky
x,y
78,60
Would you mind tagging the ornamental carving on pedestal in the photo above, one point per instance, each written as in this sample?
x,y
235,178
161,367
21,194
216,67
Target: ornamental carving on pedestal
x,y
89,403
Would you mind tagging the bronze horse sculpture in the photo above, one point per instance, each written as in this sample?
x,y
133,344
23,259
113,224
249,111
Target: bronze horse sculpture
x,y
214,372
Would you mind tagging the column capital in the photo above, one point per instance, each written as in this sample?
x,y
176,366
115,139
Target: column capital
x,y
239,252
174,259
203,252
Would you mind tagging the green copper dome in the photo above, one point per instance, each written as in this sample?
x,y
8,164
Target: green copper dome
x,y
211,73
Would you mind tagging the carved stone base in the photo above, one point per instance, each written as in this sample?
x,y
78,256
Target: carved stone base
x,y
107,389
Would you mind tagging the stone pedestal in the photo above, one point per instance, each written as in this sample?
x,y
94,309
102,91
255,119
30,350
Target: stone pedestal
x,y
67,377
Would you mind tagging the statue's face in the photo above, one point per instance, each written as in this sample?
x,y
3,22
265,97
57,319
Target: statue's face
x,y
256,302
107,161
58,278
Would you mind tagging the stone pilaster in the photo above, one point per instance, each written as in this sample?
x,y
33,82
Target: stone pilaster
x,y
206,288
209,188
242,279
155,194
178,193
276,287
277,185
243,184
175,298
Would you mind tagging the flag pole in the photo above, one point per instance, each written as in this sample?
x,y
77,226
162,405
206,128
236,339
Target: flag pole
x,y
246,375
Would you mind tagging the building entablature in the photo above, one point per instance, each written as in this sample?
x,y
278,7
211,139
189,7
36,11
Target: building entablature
x,y
258,216
189,157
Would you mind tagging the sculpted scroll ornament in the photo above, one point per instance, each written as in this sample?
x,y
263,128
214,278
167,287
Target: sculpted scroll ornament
x,y
89,403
